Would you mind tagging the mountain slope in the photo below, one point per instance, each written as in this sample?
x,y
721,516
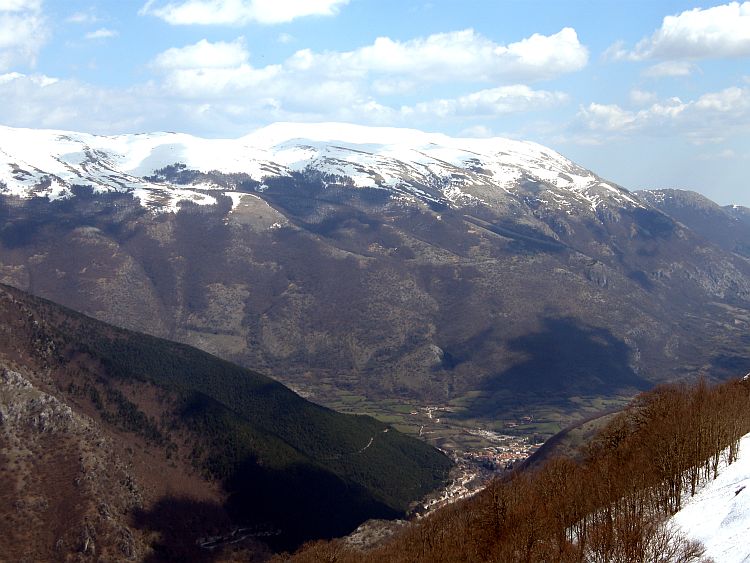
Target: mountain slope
x,y
371,267
718,515
618,500
63,486
284,462
723,226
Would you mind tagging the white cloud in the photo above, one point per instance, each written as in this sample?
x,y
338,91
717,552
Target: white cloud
x,y
642,98
38,79
717,32
460,55
214,87
216,71
730,101
712,117
204,55
49,102
343,84
217,84
603,117
670,69
20,5
385,67
615,52
10,76
42,101
23,32
82,18
285,38
240,12
101,33
490,103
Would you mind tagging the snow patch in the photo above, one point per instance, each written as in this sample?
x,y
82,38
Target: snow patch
x,y
719,514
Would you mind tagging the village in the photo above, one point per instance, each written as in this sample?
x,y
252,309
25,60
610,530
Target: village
x,y
478,458
505,453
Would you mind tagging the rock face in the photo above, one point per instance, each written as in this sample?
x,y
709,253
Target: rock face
x,y
493,276
65,493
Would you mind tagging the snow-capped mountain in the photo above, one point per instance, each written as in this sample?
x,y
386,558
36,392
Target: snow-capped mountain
x,y
490,272
411,164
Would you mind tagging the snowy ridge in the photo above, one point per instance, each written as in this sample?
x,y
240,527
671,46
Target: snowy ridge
x,y
410,163
719,514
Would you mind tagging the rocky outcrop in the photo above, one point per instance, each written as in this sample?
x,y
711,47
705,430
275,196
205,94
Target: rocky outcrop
x,y
66,494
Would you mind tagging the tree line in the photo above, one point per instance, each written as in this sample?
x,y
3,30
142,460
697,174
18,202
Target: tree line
x,y
611,505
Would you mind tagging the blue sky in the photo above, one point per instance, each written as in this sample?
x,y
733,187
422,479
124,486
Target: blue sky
x,y
645,93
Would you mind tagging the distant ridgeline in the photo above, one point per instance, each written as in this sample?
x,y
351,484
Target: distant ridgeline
x,y
611,506
285,462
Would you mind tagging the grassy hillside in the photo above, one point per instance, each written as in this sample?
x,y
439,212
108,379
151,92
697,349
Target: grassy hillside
x,y
285,462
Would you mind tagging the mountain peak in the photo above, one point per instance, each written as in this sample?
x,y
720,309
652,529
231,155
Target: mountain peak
x,y
411,164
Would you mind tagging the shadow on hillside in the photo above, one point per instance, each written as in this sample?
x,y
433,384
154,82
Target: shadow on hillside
x,y
304,502
38,220
279,508
180,521
566,358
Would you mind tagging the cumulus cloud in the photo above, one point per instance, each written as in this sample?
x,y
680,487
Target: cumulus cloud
x,y
607,117
101,33
642,98
343,85
384,67
232,100
215,86
717,32
240,12
70,104
712,117
460,55
204,54
216,71
23,32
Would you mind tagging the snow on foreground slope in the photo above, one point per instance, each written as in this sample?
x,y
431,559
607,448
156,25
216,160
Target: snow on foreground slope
x,y
719,515
411,164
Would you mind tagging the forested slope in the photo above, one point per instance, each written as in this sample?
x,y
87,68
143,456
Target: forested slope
x,y
613,505
285,462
